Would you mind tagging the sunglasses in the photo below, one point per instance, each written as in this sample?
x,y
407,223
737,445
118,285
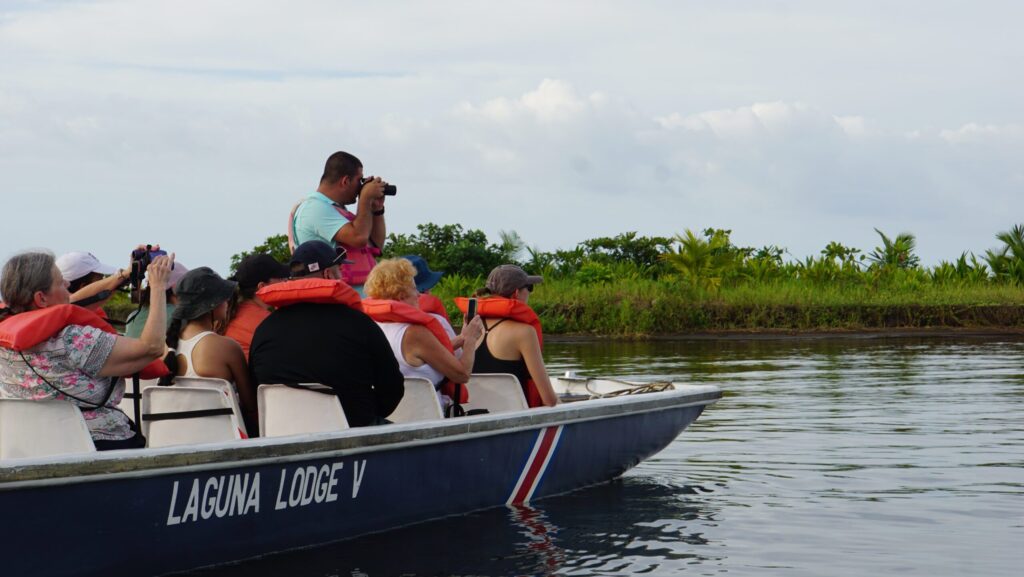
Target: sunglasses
x,y
529,288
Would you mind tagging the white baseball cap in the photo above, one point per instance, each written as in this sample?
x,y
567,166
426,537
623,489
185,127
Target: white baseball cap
x,y
75,265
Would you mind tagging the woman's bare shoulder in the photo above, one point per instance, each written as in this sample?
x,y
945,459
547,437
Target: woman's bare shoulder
x,y
220,344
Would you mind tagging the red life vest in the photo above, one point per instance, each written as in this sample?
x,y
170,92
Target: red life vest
x,y
25,330
241,328
310,290
431,304
388,311
496,307
362,257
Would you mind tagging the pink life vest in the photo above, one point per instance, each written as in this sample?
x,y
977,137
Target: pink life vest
x,y
362,257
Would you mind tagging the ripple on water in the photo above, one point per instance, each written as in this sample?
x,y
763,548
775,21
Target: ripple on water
x,y
828,457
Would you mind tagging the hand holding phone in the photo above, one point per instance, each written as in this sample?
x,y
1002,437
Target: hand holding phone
x,y
471,310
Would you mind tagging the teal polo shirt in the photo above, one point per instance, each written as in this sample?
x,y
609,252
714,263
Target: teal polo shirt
x,y
317,219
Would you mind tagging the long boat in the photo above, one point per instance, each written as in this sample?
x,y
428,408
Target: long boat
x,y
173,509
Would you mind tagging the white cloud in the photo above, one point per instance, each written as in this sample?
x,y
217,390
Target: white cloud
x,y
973,133
563,121
553,101
759,120
852,125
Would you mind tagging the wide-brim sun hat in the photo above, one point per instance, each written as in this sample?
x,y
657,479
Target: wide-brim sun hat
x,y
200,291
425,278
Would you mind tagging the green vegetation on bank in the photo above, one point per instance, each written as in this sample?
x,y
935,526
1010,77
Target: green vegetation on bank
x,y
647,307
631,285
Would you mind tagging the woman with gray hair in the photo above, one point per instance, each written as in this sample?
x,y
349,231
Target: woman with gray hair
x,y
65,353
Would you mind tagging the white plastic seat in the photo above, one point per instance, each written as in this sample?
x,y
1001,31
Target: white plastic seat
x,y
42,428
288,410
420,403
187,415
496,392
222,385
127,404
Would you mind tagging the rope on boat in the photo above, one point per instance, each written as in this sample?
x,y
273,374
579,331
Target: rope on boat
x,y
632,389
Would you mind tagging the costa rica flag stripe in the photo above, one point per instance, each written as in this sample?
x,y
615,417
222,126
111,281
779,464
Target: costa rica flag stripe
x,y
533,471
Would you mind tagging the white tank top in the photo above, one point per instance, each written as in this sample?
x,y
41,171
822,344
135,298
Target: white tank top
x,y
395,332
447,326
185,347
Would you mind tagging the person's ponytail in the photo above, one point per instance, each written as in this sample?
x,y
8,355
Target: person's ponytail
x,y
171,358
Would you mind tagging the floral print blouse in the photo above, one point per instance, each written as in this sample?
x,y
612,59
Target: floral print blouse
x,y
71,362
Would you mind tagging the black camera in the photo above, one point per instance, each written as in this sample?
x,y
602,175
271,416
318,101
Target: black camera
x,y
389,189
141,257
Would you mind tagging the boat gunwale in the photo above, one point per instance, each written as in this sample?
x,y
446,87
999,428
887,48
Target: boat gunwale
x,y
96,467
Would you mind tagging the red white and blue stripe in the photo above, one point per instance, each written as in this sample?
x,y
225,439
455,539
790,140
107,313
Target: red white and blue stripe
x,y
533,470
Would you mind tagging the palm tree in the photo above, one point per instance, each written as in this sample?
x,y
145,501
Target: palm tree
x,y
511,244
701,262
1008,262
1014,241
895,253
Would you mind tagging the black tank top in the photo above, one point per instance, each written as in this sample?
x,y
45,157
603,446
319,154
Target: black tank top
x,y
485,362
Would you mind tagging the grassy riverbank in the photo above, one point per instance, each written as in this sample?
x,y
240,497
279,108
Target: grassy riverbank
x,y
636,286
644,307
637,308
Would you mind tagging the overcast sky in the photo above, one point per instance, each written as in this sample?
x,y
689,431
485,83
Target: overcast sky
x,y
199,124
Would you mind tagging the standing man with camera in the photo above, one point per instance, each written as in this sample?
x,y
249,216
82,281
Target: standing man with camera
x,y
323,216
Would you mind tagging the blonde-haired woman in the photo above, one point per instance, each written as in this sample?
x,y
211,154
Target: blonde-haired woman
x,y
418,339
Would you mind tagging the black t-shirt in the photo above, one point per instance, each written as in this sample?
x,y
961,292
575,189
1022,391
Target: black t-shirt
x,y
334,345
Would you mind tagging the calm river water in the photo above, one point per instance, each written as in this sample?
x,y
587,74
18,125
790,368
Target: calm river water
x,y
825,457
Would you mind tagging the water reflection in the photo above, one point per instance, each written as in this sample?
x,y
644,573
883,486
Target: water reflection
x,y
840,457
629,526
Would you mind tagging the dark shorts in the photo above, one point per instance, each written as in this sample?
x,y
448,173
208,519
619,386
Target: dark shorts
x,y
136,441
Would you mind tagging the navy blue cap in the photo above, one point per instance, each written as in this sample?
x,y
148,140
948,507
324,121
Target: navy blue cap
x,y
314,256
425,278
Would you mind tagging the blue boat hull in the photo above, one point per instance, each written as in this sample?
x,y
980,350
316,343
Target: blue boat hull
x,y
176,511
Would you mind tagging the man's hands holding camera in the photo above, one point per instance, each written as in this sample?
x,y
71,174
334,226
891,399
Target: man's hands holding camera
x,y
372,194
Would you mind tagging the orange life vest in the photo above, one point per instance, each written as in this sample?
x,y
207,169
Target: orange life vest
x,y
310,290
25,330
496,307
362,257
431,304
241,328
388,311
